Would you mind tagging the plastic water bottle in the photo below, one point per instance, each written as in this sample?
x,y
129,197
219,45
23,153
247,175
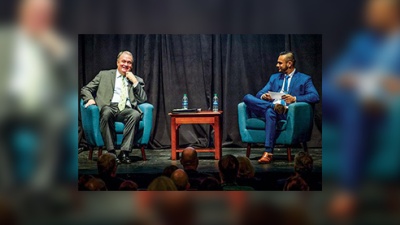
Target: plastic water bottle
x,y
215,103
185,102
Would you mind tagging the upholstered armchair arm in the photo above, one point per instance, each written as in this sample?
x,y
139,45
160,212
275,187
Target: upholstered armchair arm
x,y
242,118
299,122
147,110
91,124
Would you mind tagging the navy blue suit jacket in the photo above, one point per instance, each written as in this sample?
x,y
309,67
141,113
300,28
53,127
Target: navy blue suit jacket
x,y
301,87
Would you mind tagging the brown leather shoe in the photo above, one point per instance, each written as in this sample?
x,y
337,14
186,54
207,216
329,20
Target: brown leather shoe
x,y
266,158
279,108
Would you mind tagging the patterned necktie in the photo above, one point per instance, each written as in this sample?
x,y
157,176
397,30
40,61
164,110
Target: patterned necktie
x,y
122,102
285,88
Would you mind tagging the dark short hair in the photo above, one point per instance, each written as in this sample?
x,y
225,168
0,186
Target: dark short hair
x,y
210,184
106,164
296,183
169,170
95,184
128,185
246,169
228,166
303,163
289,55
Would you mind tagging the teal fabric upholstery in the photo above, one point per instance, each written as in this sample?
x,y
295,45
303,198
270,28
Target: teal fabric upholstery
x,y
91,126
296,129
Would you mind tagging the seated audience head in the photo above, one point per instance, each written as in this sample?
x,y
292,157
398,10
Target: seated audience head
x,y
246,169
162,183
189,159
296,183
128,185
95,184
169,170
180,179
210,184
303,163
228,167
82,181
107,165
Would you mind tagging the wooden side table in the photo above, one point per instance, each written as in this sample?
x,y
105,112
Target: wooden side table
x,y
204,117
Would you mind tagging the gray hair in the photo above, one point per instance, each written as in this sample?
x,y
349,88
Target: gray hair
x,y
122,52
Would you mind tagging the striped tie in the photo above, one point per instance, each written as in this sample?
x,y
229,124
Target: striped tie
x,y
122,102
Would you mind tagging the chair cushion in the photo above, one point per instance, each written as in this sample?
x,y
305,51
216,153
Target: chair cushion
x,y
255,124
119,127
259,124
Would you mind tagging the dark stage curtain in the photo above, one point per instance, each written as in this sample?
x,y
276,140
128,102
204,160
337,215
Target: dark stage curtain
x,y
201,65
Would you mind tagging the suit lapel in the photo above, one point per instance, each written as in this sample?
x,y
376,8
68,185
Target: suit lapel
x,y
293,82
113,75
280,82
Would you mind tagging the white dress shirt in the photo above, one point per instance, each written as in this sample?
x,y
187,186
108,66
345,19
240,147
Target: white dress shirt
x,y
288,80
278,101
118,86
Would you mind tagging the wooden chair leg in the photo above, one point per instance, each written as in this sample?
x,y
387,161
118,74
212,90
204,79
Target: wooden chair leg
x,y
248,150
305,147
99,152
143,153
289,154
90,153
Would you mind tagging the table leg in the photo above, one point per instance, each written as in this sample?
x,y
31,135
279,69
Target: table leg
x,y
217,138
173,139
177,141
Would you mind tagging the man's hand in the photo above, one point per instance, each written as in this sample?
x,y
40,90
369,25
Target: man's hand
x,y
288,98
131,77
266,96
90,102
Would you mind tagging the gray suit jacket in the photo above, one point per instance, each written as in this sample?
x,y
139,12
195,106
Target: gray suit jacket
x,y
103,87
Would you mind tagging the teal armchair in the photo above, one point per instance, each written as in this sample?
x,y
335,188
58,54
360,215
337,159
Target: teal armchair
x,y
296,129
91,127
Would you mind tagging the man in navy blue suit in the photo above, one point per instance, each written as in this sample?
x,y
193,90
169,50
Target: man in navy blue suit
x,y
296,86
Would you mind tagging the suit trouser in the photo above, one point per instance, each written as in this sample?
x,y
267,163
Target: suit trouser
x,y
265,109
108,116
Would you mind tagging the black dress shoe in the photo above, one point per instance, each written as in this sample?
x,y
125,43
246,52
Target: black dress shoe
x,y
124,155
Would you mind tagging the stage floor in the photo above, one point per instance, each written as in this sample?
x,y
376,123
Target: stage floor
x,y
158,159
143,172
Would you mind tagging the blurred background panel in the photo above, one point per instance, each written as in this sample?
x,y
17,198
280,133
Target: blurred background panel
x,y
45,197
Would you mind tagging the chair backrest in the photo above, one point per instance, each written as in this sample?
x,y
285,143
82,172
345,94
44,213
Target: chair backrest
x,y
298,126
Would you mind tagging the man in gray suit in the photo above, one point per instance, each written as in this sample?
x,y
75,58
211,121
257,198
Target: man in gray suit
x,y
118,93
